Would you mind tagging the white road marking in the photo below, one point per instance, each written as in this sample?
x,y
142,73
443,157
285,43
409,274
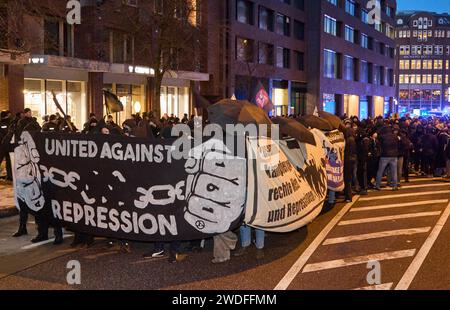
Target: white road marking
x,y
381,287
351,261
301,261
412,270
404,195
418,186
35,245
389,218
399,205
377,235
424,179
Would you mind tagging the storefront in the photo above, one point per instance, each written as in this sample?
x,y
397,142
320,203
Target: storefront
x,y
280,97
364,112
351,105
329,103
175,101
69,87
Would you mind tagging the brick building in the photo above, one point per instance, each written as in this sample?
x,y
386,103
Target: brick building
x,y
423,55
308,53
78,61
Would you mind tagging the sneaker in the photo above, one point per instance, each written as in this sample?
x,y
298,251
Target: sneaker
x,y
153,255
217,261
240,252
39,239
377,189
364,193
395,189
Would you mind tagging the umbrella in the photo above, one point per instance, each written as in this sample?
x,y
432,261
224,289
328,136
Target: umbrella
x,y
294,129
332,119
234,112
312,121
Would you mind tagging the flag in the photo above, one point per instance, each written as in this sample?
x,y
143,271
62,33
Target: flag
x,y
262,98
199,101
58,106
113,104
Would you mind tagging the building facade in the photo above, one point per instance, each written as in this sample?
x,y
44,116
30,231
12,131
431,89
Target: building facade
x,y
423,54
308,54
77,62
258,40
351,57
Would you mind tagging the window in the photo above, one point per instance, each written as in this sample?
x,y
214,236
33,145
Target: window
x,y
299,30
283,25
438,64
364,17
265,18
333,2
364,41
283,58
51,37
244,12
244,49
349,34
350,7
265,54
330,26
331,64
118,47
300,56
349,68
364,73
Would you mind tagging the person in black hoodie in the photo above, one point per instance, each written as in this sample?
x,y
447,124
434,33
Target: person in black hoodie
x,y
405,150
389,145
429,148
363,142
350,161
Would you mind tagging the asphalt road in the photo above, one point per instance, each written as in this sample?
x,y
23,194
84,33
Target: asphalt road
x,y
406,232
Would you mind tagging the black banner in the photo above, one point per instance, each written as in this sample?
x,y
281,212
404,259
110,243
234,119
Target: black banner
x,y
132,189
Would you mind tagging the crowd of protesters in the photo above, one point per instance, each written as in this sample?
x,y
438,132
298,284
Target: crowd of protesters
x,y
395,148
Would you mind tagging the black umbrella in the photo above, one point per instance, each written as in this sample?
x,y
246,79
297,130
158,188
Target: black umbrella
x,y
332,119
311,121
234,112
294,129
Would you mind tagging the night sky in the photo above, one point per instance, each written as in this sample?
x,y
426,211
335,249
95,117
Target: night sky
x,y
438,6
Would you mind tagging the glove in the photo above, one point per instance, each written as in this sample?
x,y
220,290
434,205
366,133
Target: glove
x,y
28,176
215,189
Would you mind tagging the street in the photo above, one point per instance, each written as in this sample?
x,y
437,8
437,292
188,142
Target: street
x,y
407,232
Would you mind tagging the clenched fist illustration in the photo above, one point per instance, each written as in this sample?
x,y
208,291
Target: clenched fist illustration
x,y
215,189
28,176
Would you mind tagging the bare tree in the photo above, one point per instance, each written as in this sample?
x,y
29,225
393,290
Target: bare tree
x,y
168,36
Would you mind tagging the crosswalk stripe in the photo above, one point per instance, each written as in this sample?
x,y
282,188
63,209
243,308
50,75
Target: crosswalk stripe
x,y
399,205
377,235
389,218
380,287
339,263
306,255
424,179
420,186
404,195
412,270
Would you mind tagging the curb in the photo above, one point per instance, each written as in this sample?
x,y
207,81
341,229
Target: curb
x,y
8,212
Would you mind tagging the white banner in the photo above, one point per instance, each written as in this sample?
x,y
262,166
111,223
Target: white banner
x,y
333,146
286,184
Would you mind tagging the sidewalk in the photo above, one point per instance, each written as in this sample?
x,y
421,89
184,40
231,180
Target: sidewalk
x,y
7,205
